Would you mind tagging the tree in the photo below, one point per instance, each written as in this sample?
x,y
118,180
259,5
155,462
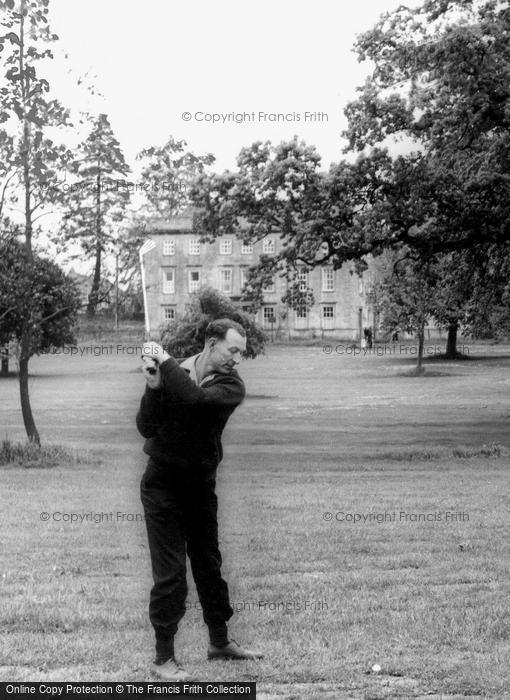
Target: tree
x,y
351,211
186,336
165,182
8,171
47,299
455,276
437,84
441,82
280,190
433,80
488,307
462,293
441,76
403,295
167,176
36,159
97,201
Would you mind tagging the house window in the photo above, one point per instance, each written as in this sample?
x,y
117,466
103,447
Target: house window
x,y
226,280
243,272
328,317
269,288
328,279
193,280
246,248
360,286
226,246
168,247
194,246
302,278
268,246
269,317
301,317
168,313
169,280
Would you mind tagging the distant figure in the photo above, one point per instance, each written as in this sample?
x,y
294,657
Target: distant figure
x,y
367,332
394,337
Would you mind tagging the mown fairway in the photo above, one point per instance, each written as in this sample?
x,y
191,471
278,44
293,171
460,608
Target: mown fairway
x,y
425,597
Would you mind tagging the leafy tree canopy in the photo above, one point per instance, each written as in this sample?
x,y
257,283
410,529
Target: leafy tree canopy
x,y
40,296
167,174
440,83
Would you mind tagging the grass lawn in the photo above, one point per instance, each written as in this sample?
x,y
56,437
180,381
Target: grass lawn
x,y
419,584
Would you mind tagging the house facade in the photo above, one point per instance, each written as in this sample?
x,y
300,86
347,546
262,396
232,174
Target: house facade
x,y
180,264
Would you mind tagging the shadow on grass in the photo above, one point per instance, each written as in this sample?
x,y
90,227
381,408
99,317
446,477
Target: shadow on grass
x,y
393,357
423,372
262,396
443,357
476,358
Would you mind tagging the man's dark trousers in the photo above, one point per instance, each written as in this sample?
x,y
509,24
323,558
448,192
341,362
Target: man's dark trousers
x,y
181,516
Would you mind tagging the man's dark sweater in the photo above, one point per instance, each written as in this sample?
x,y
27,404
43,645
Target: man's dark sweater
x,y
183,422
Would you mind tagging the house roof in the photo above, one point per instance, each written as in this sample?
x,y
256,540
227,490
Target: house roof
x,y
176,224
184,223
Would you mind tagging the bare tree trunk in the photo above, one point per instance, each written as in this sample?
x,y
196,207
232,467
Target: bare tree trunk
x,y
26,409
451,343
421,344
4,361
117,291
96,282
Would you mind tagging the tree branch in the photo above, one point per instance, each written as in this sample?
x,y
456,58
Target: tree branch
x,y
4,189
13,308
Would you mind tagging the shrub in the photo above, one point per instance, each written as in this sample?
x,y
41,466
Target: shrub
x,y
186,336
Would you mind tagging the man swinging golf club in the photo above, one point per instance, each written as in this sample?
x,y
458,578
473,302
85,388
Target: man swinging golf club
x,y
182,415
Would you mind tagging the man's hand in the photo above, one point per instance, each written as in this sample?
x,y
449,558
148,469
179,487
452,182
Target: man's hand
x,y
152,356
154,351
150,370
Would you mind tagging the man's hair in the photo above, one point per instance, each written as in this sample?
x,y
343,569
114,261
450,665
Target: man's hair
x,y
219,327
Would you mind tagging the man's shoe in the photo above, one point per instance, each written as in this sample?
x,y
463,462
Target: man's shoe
x,y
171,671
232,651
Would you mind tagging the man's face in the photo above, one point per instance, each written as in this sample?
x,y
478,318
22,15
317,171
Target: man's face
x,y
225,354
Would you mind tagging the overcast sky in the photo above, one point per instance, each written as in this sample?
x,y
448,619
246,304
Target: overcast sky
x,y
155,60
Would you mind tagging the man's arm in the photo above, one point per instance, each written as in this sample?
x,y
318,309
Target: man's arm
x,y
148,418
176,382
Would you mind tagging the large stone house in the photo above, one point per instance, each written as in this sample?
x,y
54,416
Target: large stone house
x,y
179,264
